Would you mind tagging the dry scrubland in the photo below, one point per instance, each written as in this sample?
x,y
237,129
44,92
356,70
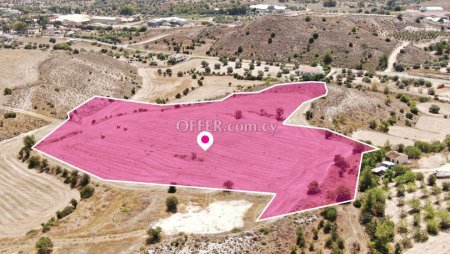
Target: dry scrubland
x,y
66,81
19,67
292,34
347,110
414,55
13,124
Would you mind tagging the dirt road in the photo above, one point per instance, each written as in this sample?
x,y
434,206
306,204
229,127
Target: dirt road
x,y
393,56
33,114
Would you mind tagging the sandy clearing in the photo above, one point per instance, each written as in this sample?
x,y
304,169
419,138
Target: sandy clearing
x,y
434,124
436,244
445,107
20,67
218,217
28,197
414,134
380,139
432,161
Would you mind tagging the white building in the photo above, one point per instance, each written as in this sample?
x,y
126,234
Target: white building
x,y
431,9
267,8
110,21
73,19
171,21
8,12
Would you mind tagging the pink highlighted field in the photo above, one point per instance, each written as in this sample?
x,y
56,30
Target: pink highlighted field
x,y
148,143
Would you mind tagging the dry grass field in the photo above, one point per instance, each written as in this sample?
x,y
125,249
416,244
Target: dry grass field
x,y
66,81
20,67
13,124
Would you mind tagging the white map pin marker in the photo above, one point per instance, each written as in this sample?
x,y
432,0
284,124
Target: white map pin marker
x,y
205,140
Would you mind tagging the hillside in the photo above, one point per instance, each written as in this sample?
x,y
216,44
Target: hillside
x,y
350,39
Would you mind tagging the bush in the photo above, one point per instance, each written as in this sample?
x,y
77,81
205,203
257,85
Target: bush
x,y
7,91
87,192
432,227
343,193
434,109
329,213
313,188
172,189
432,180
300,237
420,236
171,204
44,245
413,152
34,162
154,235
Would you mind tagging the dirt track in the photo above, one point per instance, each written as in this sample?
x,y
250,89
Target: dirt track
x,y
28,197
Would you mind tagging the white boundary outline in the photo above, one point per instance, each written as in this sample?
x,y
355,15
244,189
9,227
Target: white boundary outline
x,y
208,188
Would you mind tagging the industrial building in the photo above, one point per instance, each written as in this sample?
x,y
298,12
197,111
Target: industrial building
x,y
171,21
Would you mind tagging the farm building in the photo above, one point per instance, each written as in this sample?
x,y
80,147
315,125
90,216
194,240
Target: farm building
x,y
265,8
379,170
106,20
73,19
396,157
171,21
431,9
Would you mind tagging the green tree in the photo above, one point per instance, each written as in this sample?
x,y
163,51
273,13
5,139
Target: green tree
x,y
44,245
127,10
327,58
329,213
375,202
383,62
413,152
367,180
20,27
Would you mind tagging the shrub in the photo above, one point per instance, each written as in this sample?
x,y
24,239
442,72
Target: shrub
x,y
44,245
171,204
413,152
420,236
34,162
300,237
172,189
87,192
154,235
434,109
433,227
432,180
446,186
313,188
7,91
329,213
343,193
